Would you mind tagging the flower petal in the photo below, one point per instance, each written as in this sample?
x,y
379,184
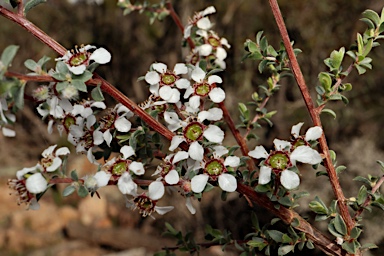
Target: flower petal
x,y
214,134
159,67
183,83
163,209
265,175
101,56
313,133
36,183
176,140
62,151
137,168
156,190
196,151
127,151
152,77
289,179
258,152
8,132
217,95
180,68
194,102
172,177
219,151
199,182
214,79
198,75
179,156
295,131
55,164
169,94
204,23
232,161
282,144
102,178
107,136
305,154
122,124
227,182
205,49
126,185
188,203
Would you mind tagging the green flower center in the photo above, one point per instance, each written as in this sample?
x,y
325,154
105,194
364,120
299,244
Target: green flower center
x,y
168,79
68,121
193,131
214,168
78,59
145,205
299,142
214,42
119,168
202,89
279,161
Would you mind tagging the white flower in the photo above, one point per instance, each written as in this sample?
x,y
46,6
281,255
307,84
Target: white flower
x,y
204,87
51,160
215,169
200,21
163,82
78,60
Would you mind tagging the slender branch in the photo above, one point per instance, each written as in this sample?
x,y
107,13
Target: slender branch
x,y
288,216
240,140
176,19
257,116
314,115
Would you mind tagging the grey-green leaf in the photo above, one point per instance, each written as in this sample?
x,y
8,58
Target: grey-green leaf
x,y
97,94
8,54
31,4
69,190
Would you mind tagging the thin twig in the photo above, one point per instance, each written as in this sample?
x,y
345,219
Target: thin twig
x,y
369,197
341,201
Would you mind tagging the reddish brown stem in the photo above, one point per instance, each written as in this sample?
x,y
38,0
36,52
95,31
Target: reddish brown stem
x,y
314,115
288,216
177,21
240,140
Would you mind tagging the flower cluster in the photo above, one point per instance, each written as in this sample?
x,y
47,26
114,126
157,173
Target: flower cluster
x,y
34,180
282,161
209,46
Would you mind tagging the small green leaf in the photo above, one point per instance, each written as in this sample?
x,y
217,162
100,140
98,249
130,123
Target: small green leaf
x,y
263,44
362,195
83,191
295,222
255,222
61,67
310,245
257,242
8,54
340,225
326,81
74,175
368,47
79,85
274,221
355,232
329,111
360,69
369,23
19,97
31,65
97,94
285,249
252,46
350,247
337,58
318,206
360,44
372,15
61,86
369,246
69,190
276,235
31,4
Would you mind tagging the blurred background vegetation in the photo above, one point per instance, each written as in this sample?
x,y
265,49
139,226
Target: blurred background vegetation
x,y
317,27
